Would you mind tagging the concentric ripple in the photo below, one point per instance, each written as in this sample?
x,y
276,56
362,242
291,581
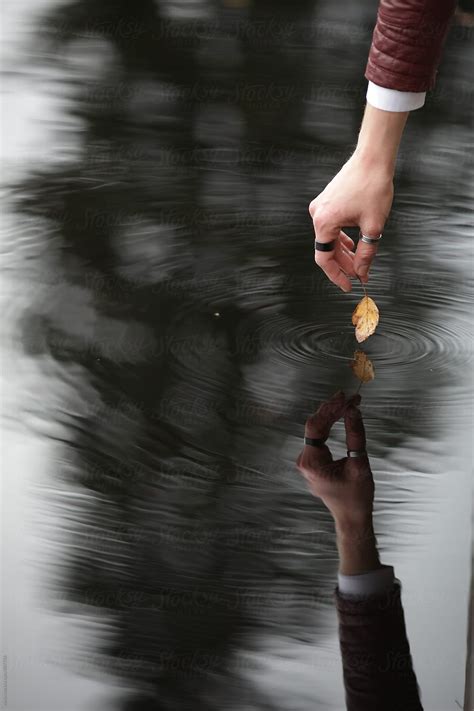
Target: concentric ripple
x,y
400,342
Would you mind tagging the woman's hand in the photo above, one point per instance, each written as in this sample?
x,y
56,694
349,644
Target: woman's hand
x,y
346,486
360,195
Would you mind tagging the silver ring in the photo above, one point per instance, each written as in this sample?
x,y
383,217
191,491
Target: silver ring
x,y
369,240
356,453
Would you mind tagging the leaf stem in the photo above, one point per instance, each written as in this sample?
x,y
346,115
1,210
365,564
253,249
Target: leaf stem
x,y
362,285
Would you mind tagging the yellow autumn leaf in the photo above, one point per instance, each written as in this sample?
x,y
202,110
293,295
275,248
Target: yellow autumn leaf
x,y
362,367
365,318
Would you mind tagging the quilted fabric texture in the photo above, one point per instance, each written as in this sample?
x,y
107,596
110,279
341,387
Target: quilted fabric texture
x,y
407,43
377,664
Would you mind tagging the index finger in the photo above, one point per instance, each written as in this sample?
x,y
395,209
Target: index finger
x,y
326,230
319,425
331,267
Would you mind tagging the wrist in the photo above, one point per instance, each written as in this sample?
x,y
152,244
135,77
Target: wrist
x,y
355,525
379,139
375,161
357,547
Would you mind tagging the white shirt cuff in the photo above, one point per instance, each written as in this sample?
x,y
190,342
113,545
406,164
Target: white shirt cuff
x,y
392,100
375,582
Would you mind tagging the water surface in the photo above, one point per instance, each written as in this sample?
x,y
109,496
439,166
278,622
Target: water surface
x,y
169,334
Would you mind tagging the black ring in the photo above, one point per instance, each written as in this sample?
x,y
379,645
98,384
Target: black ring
x,y
324,246
314,442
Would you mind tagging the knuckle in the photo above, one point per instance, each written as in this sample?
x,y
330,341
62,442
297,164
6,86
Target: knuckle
x,y
309,472
373,228
322,217
303,468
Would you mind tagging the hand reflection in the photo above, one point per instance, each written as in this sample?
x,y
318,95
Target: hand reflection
x,y
346,486
371,621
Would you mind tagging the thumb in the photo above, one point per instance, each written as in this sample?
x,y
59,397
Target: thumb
x,y
365,253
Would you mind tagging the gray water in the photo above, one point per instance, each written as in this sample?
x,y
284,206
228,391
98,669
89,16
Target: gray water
x,y
168,334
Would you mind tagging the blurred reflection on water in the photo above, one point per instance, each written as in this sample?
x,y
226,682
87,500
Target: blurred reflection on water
x,y
170,306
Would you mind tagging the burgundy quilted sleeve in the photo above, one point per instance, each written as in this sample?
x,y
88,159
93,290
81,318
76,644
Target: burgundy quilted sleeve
x,y
407,43
377,665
